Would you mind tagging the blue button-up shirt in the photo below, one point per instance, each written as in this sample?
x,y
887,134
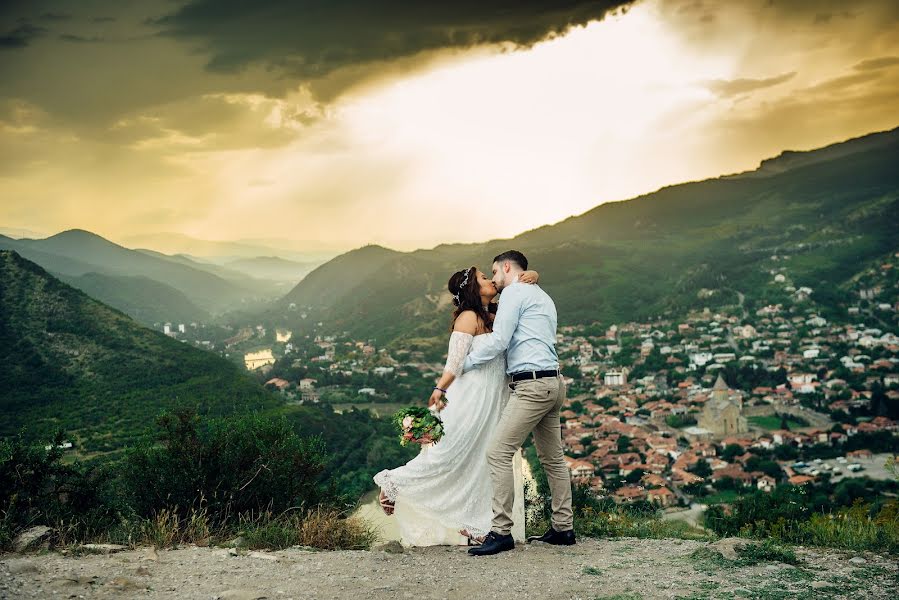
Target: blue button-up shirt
x,y
525,326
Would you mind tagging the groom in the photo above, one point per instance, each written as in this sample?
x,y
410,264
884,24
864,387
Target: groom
x,y
525,326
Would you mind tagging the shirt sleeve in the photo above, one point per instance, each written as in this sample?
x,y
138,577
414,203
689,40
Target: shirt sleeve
x,y
504,325
459,345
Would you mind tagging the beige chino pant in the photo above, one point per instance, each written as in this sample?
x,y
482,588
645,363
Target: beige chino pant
x,y
534,405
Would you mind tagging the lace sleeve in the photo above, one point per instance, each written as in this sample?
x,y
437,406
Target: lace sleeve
x,y
459,345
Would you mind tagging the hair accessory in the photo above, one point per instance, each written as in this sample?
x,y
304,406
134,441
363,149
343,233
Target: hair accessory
x,y
458,295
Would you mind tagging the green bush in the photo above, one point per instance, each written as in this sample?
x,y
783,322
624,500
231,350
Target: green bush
x,y
37,489
798,516
228,466
201,481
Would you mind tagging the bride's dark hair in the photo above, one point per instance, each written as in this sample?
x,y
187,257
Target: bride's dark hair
x,y
464,287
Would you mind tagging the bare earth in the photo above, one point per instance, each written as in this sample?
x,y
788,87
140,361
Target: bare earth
x,y
618,568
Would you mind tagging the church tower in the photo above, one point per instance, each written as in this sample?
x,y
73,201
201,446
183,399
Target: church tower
x,y
722,414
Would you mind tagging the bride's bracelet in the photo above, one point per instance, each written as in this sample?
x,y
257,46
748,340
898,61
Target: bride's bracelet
x,y
440,389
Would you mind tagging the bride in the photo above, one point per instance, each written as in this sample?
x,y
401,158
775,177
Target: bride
x,y
444,495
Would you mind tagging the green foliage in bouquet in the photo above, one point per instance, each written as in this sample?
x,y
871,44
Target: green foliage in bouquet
x,y
418,425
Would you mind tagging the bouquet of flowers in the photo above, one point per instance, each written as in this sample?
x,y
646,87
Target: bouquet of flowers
x,y
418,425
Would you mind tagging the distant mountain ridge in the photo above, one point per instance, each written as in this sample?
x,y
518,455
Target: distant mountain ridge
x,y
791,159
76,253
831,210
179,243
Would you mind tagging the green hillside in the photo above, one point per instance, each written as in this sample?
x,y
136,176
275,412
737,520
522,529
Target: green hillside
x,y
143,299
68,360
829,211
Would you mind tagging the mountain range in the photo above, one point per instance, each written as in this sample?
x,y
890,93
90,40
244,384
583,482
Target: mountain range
x,y
151,286
820,216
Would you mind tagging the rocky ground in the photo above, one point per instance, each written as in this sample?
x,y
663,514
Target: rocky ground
x,y
605,568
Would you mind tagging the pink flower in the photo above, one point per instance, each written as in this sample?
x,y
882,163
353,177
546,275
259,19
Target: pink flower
x,y
407,422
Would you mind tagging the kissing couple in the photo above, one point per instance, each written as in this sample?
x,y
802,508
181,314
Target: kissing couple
x,y
501,382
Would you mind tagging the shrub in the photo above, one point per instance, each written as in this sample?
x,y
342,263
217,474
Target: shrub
x,y
229,466
37,489
201,482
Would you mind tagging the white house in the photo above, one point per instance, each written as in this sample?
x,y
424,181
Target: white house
x,y
615,377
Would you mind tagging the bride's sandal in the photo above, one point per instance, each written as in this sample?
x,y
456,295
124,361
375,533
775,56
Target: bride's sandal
x,y
386,505
470,539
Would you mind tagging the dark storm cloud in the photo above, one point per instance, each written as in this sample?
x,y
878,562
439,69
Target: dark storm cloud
x,y
20,36
51,16
311,38
80,39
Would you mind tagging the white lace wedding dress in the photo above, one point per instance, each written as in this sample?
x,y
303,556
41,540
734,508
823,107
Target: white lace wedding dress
x,y
447,486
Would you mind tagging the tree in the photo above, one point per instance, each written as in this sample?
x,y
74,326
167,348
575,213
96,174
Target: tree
x,y
730,451
701,468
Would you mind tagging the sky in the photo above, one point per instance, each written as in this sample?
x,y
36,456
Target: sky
x,y
341,123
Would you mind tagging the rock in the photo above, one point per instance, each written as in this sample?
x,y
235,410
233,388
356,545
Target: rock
x,y
238,594
30,538
124,583
21,565
263,555
232,551
103,548
76,579
391,547
857,560
142,571
728,547
237,542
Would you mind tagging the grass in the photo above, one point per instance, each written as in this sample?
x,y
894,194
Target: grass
x,y
708,559
852,528
721,497
323,529
619,523
772,422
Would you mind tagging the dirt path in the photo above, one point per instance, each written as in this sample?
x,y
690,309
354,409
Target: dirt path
x,y
621,568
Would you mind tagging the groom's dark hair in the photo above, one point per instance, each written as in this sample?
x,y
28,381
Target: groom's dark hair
x,y
514,256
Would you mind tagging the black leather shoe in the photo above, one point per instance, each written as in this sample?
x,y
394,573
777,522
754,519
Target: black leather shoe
x,y
558,538
494,543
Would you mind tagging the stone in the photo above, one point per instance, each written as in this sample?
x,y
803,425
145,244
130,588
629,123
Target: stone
x,y
124,583
391,547
241,594
728,547
103,548
263,555
237,542
142,571
31,537
857,560
76,579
